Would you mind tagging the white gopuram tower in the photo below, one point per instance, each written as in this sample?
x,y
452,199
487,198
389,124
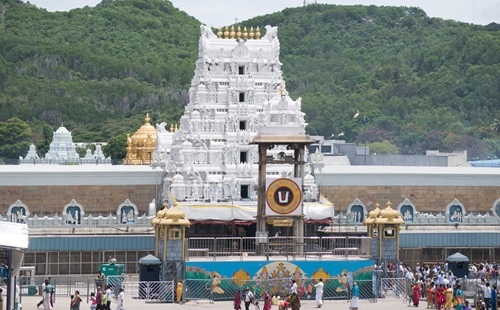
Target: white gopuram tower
x,y
237,90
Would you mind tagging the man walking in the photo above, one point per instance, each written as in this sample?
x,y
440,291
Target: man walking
x,y
294,287
319,293
98,299
44,284
248,298
487,294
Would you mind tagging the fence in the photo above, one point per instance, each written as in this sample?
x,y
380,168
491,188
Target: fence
x,y
217,248
213,290
225,289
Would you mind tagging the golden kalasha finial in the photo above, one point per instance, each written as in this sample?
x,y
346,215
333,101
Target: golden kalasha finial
x,y
257,33
232,33
147,119
172,127
238,33
282,90
251,34
176,127
388,204
219,33
245,33
226,33
377,205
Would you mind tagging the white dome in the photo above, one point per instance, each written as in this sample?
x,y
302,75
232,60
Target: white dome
x,y
62,130
308,179
178,178
195,114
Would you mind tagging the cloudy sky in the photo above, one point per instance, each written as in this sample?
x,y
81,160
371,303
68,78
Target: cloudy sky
x,y
224,12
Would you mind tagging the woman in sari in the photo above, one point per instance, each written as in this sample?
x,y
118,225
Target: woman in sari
x,y
449,297
355,297
295,301
416,294
237,301
267,301
460,298
440,298
430,296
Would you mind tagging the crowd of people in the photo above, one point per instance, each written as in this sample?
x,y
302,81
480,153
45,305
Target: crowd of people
x,y
292,301
444,291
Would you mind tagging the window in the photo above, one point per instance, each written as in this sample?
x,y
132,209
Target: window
x,y
243,125
243,157
326,149
174,234
244,191
390,232
242,97
241,70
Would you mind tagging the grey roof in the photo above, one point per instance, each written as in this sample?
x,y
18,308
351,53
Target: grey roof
x,y
472,239
457,257
149,260
92,243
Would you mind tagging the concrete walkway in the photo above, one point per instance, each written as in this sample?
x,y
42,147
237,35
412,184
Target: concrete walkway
x,y
381,304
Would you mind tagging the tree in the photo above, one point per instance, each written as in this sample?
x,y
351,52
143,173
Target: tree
x,y
384,147
496,126
15,138
116,148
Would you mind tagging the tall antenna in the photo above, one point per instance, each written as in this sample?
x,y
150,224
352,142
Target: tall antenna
x,y
306,2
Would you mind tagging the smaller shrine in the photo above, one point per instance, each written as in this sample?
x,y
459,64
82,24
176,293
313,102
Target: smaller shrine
x,y
170,246
383,226
62,151
141,145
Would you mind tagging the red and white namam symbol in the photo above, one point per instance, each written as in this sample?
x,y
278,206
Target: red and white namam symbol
x,y
283,196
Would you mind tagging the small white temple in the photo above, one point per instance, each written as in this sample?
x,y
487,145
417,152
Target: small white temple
x,y
62,151
237,92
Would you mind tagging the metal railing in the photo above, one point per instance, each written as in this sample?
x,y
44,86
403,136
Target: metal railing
x,y
212,290
335,288
289,247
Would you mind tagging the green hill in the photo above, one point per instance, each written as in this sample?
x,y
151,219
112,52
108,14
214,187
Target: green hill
x,y
418,82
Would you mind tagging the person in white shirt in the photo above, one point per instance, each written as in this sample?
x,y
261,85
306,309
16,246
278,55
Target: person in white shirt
x,y
319,293
108,297
441,278
294,287
487,294
248,298
119,301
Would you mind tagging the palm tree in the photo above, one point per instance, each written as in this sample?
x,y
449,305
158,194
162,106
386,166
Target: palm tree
x,y
496,126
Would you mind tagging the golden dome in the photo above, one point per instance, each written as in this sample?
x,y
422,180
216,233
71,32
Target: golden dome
x,y
172,216
146,131
375,212
141,145
391,215
373,215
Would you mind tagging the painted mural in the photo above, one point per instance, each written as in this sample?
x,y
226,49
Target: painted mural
x,y
223,279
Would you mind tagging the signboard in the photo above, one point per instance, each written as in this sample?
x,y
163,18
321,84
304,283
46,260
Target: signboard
x,y
284,196
283,223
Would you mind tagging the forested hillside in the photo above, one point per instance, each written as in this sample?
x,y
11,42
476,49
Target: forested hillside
x,y
418,83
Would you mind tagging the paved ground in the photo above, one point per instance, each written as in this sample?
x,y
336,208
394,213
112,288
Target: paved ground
x,y
381,304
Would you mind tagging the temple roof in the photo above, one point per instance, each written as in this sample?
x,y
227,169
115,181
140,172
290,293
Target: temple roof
x,y
147,129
